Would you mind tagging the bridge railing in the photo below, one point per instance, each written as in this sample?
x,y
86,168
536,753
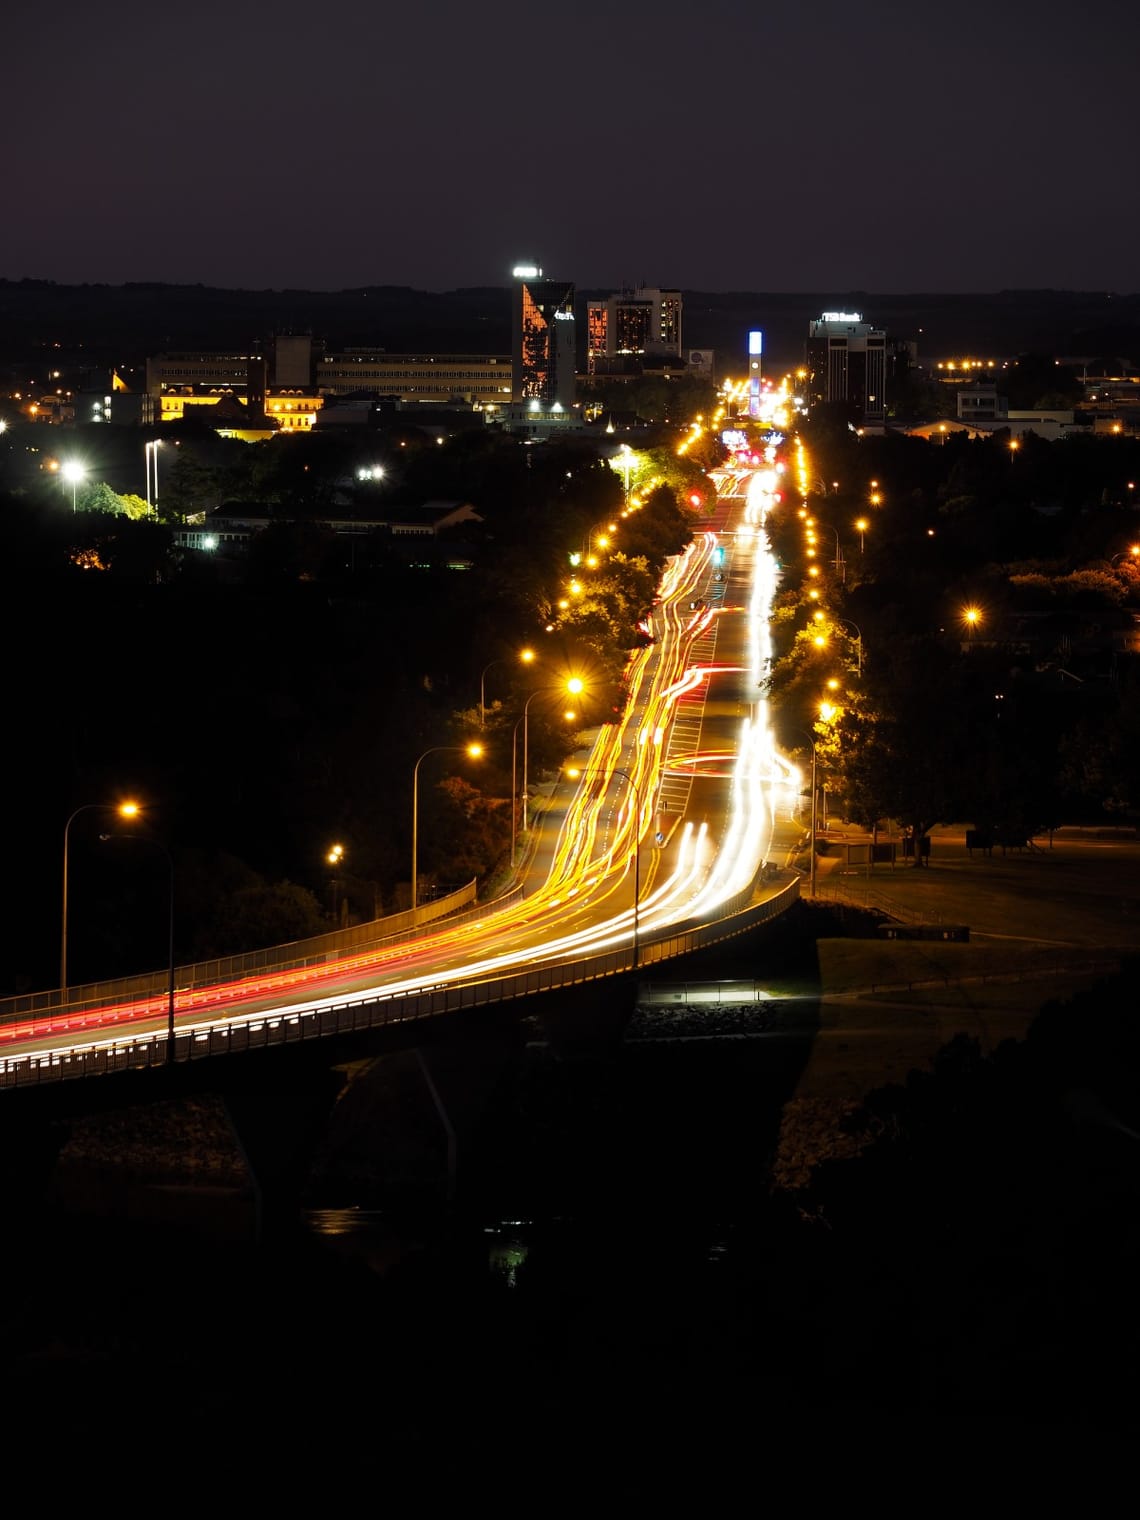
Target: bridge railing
x,y
375,1010
322,949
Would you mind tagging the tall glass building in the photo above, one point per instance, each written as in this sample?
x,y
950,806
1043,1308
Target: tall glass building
x,y
543,348
846,361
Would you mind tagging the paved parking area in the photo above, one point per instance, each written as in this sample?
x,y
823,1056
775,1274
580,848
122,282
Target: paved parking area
x,y
1079,889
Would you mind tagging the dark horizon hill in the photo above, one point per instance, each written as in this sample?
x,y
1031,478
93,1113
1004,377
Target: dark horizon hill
x,y
120,325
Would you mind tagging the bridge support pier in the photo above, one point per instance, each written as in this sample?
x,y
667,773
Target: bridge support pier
x,y
445,1120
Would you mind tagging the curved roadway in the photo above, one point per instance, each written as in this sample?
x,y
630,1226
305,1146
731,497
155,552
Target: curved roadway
x,y
679,804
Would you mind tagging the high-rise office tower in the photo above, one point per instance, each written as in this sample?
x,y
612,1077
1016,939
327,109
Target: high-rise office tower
x,y
543,351
634,323
846,361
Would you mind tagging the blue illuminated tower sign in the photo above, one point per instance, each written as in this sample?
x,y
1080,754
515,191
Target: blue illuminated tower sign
x,y
755,349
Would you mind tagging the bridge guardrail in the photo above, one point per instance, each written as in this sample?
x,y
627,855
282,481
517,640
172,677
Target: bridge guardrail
x,y
744,912
327,949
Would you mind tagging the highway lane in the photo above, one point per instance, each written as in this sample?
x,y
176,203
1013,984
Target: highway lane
x,y
695,729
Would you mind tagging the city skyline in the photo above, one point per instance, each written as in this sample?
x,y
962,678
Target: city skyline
x,y
887,149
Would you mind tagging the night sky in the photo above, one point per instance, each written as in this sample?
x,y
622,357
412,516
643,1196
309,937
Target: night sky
x,y
885,146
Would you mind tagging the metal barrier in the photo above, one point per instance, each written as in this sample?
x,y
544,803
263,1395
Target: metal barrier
x,y
743,913
322,949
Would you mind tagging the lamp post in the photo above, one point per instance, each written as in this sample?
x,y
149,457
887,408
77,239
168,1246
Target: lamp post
x,y
840,567
525,724
130,810
814,793
626,460
514,787
474,750
573,686
150,458
861,526
75,472
334,858
525,655
574,773
124,810
858,641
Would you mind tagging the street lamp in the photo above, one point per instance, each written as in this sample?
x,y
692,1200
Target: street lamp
x,y
840,568
150,459
525,655
514,787
861,526
474,751
334,858
811,878
75,472
574,773
625,462
858,640
124,810
573,686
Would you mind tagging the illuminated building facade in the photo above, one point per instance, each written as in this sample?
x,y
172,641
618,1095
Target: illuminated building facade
x,y
846,361
291,384
475,379
633,323
543,346
755,377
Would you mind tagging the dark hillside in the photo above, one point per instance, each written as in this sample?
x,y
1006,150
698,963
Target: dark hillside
x,y
121,325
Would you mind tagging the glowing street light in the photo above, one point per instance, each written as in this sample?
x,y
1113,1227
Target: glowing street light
x,y
861,526
150,457
625,462
572,687
473,751
525,655
124,810
334,857
74,472
127,810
